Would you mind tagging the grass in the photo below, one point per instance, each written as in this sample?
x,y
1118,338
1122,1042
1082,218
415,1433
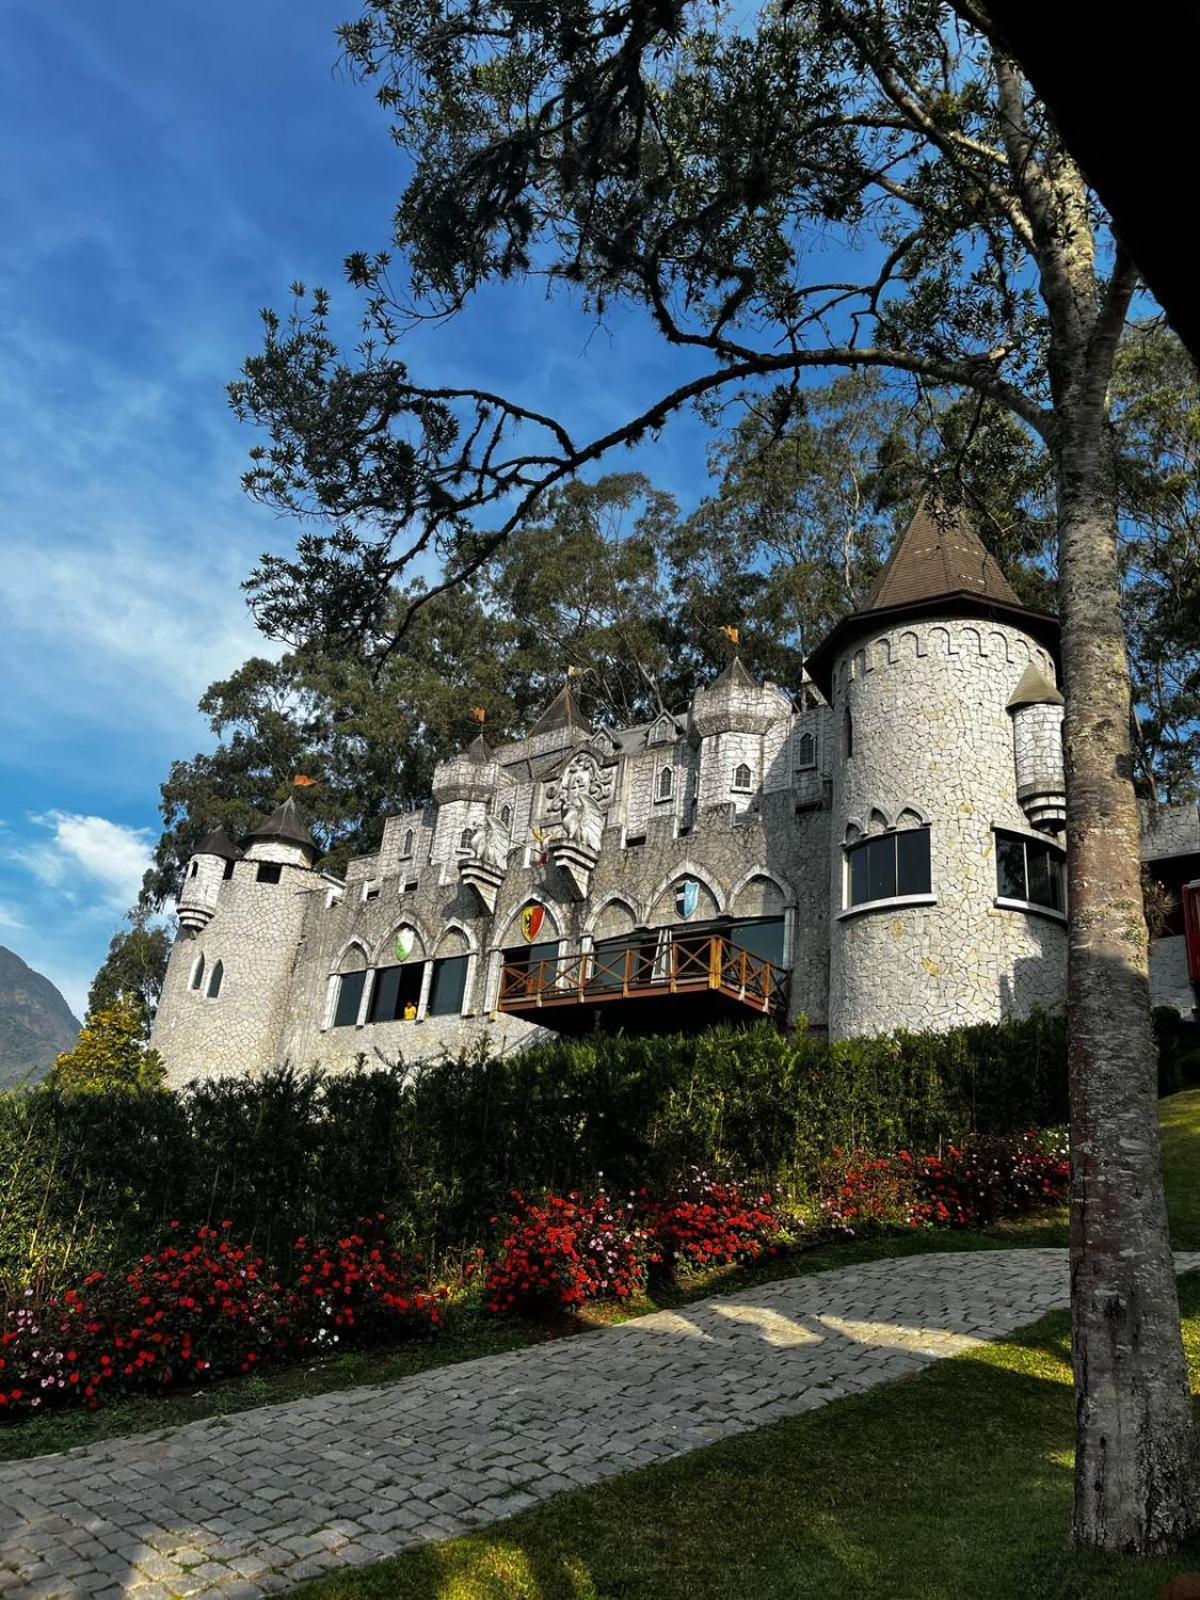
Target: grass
x,y
1180,1119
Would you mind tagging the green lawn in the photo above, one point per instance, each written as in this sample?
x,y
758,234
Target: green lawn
x,y
954,1485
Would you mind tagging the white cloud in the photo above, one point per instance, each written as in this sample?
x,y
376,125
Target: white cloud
x,y
10,919
109,856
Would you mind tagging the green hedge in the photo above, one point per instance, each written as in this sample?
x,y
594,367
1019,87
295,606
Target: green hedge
x,y
96,1177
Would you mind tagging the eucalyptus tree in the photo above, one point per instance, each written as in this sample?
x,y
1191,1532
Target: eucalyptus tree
x,y
816,185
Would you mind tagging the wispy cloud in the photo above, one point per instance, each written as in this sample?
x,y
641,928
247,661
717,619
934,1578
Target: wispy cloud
x,y
108,856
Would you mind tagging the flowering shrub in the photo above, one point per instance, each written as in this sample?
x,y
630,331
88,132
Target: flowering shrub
x,y
967,1186
204,1308
990,1179
711,1222
565,1251
357,1289
858,1191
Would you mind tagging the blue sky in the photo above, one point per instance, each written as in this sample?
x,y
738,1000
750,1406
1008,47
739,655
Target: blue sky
x,y
165,171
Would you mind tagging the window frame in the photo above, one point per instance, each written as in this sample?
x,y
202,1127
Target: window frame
x,y
216,980
1053,852
910,897
664,785
439,965
806,763
737,787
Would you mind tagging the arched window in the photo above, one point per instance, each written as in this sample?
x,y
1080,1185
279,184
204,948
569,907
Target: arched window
x,y
742,778
506,815
349,985
847,733
193,869
464,839
198,971
215,978
665,786
806,751
408,844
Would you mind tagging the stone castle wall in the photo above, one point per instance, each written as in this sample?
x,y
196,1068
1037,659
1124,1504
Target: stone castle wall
x,y
931,733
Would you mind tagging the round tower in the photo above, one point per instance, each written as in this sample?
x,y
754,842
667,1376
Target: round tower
x,y
227,989
209,867
931,838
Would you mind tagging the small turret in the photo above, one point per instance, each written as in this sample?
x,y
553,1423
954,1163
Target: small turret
x,y
472,775
284,837
211,864
731,719
1036,710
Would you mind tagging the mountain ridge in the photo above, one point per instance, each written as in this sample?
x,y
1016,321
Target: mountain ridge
x,y
36,1023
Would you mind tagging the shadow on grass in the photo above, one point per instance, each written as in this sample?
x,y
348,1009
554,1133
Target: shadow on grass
x,y
955,1483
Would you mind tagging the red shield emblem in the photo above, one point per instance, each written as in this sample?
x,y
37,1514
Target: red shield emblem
x,y
531,922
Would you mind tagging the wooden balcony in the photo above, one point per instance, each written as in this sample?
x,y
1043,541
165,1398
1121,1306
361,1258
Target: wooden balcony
x,y
682,985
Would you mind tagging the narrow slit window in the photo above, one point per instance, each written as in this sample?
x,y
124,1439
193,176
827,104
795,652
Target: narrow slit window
x,y
215,980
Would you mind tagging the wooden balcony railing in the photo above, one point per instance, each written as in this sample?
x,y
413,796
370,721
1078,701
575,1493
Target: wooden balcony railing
x,y
690,964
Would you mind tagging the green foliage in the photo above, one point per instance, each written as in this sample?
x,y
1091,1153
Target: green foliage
x,y
136,965
96,1177
110,1052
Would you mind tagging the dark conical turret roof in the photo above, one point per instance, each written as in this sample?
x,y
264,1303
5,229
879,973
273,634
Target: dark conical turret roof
x,y
939,566
218,843
286,822
939,553
562,712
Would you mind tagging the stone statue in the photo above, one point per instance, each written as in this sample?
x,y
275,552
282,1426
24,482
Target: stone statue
x,y
490,842
582,819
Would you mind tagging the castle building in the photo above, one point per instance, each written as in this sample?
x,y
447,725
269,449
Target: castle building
x,y
880,848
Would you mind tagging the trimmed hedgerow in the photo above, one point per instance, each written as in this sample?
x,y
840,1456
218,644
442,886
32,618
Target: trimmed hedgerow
x,y
89,1179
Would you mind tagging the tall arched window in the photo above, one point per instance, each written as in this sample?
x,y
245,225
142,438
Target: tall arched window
x,y
408,843
742,777
215,978
506,815
806,751
464,838
198,971
665,785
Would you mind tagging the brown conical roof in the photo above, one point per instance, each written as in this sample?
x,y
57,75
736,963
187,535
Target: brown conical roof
x,y
1034,689
562,712
939,553
285,822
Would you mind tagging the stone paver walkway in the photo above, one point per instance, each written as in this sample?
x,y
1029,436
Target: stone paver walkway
x,y
258,1502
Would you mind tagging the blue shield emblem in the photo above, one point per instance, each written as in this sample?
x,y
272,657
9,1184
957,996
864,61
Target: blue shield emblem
x,y
687,898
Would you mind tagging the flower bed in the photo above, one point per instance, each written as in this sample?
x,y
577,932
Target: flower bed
x,y
565,1251
203,1308
971,1186
711,1222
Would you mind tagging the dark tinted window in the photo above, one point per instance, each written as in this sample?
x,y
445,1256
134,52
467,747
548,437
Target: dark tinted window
x,y
1029,870
448,987
215,980
349,998
889,865
762,938
396,988
269,871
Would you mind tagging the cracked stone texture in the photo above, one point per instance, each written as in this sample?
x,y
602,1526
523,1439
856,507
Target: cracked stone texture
x,y
256,1503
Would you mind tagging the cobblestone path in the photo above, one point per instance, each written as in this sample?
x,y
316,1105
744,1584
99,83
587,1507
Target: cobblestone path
x,y
258,1502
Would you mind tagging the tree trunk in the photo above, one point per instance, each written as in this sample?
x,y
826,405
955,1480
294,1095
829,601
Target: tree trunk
x,y
1135,1440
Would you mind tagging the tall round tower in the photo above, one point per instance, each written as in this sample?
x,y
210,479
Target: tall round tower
x,y
947,882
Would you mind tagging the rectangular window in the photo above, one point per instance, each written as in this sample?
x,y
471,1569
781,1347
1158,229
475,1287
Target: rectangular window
x,y
890,866
1031,871
396,989
449,986
269,871
762,938
350,990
